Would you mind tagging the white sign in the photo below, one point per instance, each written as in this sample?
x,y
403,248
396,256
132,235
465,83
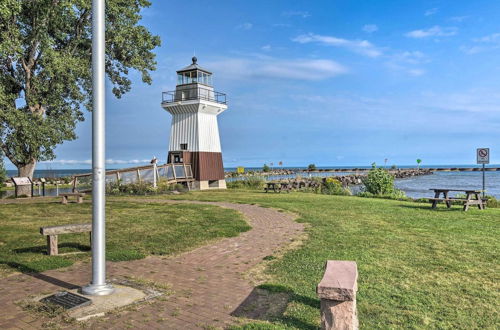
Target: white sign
x,y
483,155
21,181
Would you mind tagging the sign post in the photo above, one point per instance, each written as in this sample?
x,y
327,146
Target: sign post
x,y
98,286
483,157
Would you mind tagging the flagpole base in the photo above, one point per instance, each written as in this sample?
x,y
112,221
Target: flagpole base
x,y
98,290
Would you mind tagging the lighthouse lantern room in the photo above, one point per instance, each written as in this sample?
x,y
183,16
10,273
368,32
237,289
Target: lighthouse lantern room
x,y
194,134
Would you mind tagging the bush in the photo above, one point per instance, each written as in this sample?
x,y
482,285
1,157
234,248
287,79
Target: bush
x,y
142,188
396,194
492,202
250,182
311,167
333,186
266,168
379,182
3,172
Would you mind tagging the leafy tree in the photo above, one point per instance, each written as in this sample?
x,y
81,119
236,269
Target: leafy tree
x,y
3,172
45,69
311,167
266,168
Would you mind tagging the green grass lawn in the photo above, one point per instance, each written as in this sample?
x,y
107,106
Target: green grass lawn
x,y
134,230
418,267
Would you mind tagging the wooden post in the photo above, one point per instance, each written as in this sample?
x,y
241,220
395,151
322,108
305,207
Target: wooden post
x,y
138,175
52,245
75,181
118,178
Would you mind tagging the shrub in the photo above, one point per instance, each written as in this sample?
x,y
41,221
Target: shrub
x,y
396,194
333,186
250,182
379,182
311,167
266,168
3,172
142,188
492,202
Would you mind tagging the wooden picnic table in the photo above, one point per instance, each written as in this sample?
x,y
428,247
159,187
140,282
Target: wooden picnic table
x,y
277,186
467,201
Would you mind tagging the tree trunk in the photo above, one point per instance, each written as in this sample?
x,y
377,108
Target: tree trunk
x,y
27,169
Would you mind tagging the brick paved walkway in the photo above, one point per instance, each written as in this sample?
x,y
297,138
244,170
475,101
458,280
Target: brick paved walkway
x,y
208,282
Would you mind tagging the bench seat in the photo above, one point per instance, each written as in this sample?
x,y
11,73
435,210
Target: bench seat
x,y
52,232
79,197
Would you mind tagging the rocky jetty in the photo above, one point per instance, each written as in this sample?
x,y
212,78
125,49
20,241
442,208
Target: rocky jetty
x,y
350,179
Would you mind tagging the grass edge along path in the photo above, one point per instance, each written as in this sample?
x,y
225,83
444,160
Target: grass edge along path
x,y
419,268
134,230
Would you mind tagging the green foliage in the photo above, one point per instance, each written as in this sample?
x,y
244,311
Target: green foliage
x,y
492,202
45,69
142,188
3,172
266,168
396,194
311,167
333,186
250,182
379,181
394,167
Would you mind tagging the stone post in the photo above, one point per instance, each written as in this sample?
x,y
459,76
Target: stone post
x,y
337,291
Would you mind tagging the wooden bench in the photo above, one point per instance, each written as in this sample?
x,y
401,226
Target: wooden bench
x,y
53,231
79,197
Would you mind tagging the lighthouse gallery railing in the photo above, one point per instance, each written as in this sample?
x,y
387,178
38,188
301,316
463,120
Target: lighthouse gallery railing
x,y
195,93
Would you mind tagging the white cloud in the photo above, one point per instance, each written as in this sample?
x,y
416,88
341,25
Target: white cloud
x,y
458,19
473,100
265,66
303,14
244,26
492,38
435,31
266,47
432,11
482,44
416,72
370,28
362,47
408,62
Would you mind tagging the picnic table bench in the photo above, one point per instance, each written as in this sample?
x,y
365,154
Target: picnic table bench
x,y
52,232
467,201
78,195
277,187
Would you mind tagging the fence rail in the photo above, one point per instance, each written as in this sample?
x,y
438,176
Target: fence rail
x,y
172,173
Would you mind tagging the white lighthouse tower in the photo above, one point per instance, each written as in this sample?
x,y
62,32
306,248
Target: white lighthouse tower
x,y
194,135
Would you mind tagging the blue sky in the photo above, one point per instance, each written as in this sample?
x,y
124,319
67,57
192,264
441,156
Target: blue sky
x,y
325,82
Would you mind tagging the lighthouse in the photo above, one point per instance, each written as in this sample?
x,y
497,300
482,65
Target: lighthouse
x,y
194,134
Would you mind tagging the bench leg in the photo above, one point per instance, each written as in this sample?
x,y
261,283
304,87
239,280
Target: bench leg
x,y
52,249
466,206
79,199
64,200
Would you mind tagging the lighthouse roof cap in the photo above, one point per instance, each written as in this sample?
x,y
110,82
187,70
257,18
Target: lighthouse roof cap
x,y
193,66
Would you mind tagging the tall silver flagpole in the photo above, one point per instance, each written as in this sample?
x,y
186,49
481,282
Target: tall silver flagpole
x,y
98,286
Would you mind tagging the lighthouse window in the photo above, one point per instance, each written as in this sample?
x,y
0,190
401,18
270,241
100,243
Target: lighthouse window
x,y
184,146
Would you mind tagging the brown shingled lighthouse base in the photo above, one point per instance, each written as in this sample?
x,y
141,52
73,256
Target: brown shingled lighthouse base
x,y
208,168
